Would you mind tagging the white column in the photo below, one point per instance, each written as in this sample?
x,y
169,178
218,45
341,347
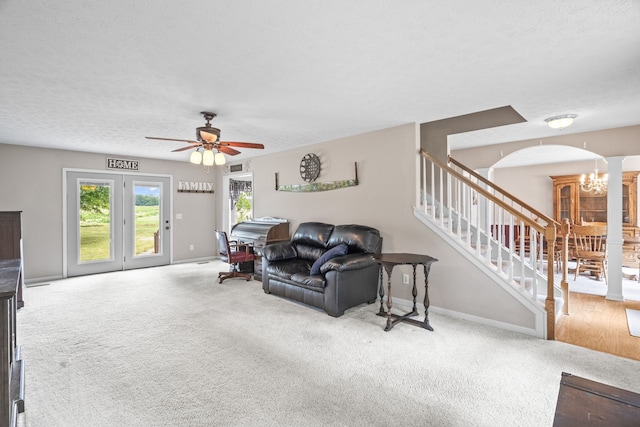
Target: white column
x,y
614,228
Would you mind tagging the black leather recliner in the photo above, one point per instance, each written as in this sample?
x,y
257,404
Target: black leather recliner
x,y
343,281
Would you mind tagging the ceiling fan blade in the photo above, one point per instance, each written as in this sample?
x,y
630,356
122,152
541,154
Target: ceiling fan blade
x,y
227,150
188,147
172,139
241,144
209,137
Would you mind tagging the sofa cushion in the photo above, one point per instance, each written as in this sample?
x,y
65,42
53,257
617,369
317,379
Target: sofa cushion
x,y
286,269
279,251
310,253
316,282
360,238
348,263
334,252
314,234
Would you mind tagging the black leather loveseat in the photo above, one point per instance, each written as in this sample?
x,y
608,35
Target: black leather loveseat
x,y
336,283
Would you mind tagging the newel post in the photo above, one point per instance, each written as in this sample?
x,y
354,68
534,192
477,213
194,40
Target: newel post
x,y
564,284
550,302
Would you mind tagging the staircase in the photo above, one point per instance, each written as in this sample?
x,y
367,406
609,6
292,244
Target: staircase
x,y
513,243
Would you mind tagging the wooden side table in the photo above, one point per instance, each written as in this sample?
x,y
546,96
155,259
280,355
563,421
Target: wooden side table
x,y
388,262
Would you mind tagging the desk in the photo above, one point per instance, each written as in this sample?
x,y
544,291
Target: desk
x,y
388,262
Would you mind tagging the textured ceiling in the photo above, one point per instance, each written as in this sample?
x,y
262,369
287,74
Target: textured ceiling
x,y
100,76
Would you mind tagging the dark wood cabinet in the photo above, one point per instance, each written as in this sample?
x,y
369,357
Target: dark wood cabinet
x,y
11,243
11,366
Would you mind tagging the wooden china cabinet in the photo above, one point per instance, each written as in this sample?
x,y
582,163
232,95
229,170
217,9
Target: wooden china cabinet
x,y
570,201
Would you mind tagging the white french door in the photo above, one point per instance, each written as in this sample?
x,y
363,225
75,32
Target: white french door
x,y
116,222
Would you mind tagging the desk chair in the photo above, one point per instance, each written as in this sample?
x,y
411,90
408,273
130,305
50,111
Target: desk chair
x,y
233,253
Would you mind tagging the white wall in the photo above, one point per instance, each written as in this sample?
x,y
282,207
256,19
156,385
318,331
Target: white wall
x,y
607,143
31,182
387,167
384,199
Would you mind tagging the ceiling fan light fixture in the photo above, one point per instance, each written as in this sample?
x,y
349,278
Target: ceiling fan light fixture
x,y
208,138
560,122
220,159
196,157
207,158
208,134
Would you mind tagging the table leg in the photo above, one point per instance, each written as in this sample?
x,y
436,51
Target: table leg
x,y
381,312
414,292
426,296
389,302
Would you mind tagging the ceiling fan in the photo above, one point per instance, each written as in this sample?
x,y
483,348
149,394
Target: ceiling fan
x,y
208,138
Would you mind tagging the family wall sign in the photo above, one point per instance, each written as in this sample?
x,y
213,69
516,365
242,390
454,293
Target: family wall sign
x,y
195,187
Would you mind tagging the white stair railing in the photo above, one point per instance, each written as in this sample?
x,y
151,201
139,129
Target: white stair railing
x,y
509,237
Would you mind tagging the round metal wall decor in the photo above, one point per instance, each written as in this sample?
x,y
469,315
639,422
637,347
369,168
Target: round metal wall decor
x,y
310,167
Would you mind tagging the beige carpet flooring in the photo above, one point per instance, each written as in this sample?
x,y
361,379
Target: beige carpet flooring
x,y
169,346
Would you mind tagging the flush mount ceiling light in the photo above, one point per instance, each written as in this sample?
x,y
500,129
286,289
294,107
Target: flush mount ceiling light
x,y
560,122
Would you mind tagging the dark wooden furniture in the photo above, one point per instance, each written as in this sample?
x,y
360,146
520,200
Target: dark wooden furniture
x,y
259,233
233,253
11,243
11,366
582,402
388,261
579,206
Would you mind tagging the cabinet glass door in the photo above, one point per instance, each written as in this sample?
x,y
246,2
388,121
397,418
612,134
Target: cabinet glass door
x,y
593,207
565,203
626,219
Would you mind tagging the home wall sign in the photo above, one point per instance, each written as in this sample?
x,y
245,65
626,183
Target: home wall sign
x,y
195,187
122,164
319,186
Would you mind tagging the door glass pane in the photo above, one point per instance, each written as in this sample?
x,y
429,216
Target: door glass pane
x,y
240,200
95,221
147,218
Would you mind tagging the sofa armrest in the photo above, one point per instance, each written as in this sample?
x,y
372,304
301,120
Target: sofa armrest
x,y
279,251
348,262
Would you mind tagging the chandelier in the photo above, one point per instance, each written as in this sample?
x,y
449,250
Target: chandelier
x,y
596,184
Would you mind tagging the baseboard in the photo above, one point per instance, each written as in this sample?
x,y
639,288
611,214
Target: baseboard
x,y
464,316
39,281
195,260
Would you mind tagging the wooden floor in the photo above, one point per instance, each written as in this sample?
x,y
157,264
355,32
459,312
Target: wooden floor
x,y
599,324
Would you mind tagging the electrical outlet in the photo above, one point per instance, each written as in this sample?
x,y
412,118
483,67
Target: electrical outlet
x,y
405,279
190,247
